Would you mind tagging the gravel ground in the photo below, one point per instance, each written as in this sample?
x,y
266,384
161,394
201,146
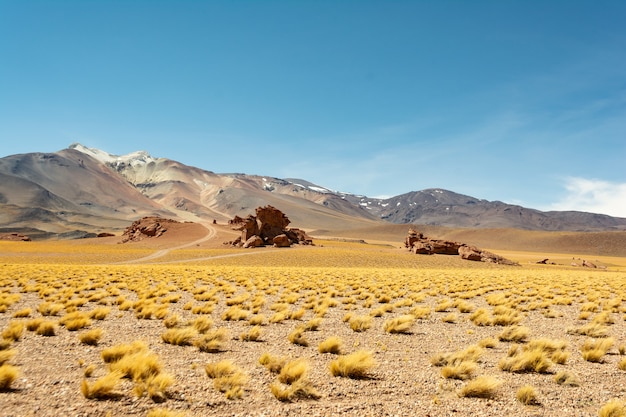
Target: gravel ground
x,y
403,383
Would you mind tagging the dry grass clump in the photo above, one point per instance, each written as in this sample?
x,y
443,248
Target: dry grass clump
x,y
212,341
471,354
481,317
356,365
23,313
91,337
227,378
554,348
8,374
331,345
155,386
594,350
360,323
171,321
161,412
179,337
505,316
103,388
591,329
514,334
420,312
621,365
488,343
46,328
252,335
613,408
297,337
400,324
235,313
75,321
6,355
13,332
50,309
566,378
257,320
292,382
99,313
481,387
274,364
526,361
463,370
138,366
115,353
313,324
527,395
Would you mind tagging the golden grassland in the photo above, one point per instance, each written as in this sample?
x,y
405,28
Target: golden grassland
x,y
329,322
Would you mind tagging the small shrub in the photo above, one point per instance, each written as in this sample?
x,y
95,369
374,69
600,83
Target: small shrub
x,y
99,313
313,324
171,321
526,361
356,365
594,350
300,389
115,353
462,371
293,370
481,387
488,343
6,355
257,320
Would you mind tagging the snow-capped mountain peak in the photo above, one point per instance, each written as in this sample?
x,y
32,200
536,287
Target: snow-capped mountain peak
x,y
133,158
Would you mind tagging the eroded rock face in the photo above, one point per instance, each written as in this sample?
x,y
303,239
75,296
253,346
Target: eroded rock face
x,y
270,225
146,227
418,243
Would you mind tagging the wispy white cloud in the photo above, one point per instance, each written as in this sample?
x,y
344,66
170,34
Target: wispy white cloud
x,y
595,196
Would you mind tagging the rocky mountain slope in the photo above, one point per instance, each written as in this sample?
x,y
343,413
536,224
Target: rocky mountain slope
x,y
84,189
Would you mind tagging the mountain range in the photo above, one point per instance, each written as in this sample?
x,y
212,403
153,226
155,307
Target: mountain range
x,y
82,190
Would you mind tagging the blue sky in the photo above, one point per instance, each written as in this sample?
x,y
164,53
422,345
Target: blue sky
x,y
518,101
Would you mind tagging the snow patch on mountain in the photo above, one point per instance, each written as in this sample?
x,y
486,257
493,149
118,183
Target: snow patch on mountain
x,y
134,158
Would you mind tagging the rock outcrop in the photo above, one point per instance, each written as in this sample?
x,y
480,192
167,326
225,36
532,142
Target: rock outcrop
x,y
147,227
14,237
417,243
268,227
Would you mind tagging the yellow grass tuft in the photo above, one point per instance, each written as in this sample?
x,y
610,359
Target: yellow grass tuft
x,y
400,324
527,395
593,350
274,364
23,313
252,335
297,337
6,355
13,332
103,387
179,337
514,334
91,337
481,387
566,378
356,365
360,323
331,345
212,341
613,408
8,374
46,328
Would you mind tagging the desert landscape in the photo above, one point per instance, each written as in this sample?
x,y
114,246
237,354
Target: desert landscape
x,y
355,324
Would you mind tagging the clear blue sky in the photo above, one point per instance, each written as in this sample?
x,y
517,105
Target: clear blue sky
x,y
519,101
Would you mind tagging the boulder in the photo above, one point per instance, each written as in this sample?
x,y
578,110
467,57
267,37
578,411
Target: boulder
x,y
281,241
15,237
471,253
253,242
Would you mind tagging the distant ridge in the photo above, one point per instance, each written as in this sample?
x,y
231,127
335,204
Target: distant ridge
x,y
90,190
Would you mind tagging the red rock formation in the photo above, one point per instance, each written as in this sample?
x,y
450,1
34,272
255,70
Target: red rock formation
x,y
268,224
15,237
418,243
145,228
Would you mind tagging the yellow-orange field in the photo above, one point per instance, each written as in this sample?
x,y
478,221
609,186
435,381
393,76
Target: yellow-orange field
x,y
338,328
